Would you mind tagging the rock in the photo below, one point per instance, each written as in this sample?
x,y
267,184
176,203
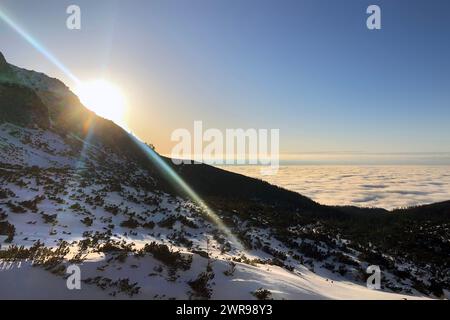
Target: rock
x,y
3,64
5,70
2,59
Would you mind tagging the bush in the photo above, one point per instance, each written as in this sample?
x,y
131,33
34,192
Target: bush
x,y
201,253
115,247
76,207
15,208
121,285
168,222
38,254
49,218
32,204
15,253
113,209
311,251
162,253
188,223
7,229
342,270
262,294
6,193
180,239
130,223
149,225
200,285
87,221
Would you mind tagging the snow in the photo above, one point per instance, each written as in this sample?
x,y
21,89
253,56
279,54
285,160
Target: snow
x,y
30,282
65,178
22,281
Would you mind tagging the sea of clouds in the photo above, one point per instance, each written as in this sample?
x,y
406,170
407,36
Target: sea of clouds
x,y
365,186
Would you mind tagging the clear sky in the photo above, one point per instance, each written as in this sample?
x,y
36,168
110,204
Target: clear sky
x,y
308,67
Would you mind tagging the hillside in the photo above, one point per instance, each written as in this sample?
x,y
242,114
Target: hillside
x,y
77,189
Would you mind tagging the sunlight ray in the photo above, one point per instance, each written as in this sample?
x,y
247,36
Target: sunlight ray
x,y
174,178
152,155
39,47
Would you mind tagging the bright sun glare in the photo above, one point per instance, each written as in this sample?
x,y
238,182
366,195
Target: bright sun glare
x,y
104,98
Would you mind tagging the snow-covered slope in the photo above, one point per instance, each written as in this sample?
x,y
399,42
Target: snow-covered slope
x,y
70,197
106,226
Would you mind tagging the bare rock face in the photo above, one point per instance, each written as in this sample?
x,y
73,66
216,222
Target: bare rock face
x,y
18,104
3,63
2,59
21,106
5,70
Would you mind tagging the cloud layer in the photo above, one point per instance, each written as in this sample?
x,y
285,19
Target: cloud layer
x,y
366,186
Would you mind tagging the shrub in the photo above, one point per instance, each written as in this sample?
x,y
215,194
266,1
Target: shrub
x,y
200,285
15,253
7,229
49,218
342,270
180,239
188,223
130,223
201,253
15,208
6,193
87,221
115,247
122,285
32,204
113,209
168,222
311,251
149,225
162,253
76,207
262,294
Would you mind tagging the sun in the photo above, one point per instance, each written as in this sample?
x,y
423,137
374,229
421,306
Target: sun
x,y
104,98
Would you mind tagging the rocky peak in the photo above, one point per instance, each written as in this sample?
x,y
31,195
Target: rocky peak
x,y
3,62
5,70
2,59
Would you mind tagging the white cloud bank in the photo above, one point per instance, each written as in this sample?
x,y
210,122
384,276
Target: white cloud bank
x,y
366,186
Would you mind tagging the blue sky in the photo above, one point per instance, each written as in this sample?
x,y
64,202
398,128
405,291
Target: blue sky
x,y
310,68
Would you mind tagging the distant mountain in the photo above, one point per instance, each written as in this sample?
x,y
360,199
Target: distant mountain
x,y
76,188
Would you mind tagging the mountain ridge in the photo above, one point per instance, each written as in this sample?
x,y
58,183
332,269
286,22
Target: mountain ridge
x,y
68,174
81,115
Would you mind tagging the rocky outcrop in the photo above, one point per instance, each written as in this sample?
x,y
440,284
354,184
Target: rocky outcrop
x,y
6,75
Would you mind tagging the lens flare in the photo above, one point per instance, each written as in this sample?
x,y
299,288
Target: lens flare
x,y
39,47
104,98
174,178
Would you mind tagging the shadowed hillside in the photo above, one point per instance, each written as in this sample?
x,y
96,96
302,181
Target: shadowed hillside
x,y
78,176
